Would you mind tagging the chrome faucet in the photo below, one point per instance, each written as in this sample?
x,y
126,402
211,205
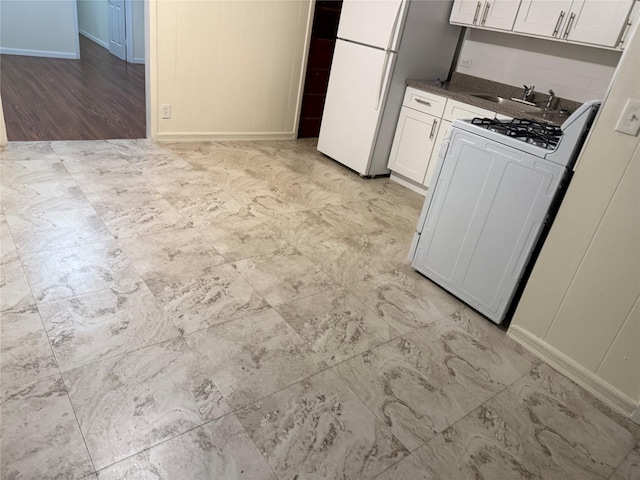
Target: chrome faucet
x,y
527,96
550,101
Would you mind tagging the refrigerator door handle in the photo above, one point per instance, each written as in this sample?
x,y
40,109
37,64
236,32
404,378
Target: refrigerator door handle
x,y
392,35
382,77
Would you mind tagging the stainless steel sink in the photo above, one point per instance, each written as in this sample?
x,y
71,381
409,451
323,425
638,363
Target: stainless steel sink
x,y
522,107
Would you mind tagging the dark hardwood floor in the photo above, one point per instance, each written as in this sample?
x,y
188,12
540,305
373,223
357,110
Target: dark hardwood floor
x,y
94,98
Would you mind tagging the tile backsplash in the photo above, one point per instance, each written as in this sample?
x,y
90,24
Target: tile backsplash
x,y
574,72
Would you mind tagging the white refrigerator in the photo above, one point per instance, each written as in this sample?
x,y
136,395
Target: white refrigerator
x,y
380,44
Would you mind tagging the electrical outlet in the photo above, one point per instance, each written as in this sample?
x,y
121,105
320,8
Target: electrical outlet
x,y
629,121
165,109
465,62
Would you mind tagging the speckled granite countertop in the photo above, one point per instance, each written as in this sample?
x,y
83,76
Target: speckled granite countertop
x,y
461,85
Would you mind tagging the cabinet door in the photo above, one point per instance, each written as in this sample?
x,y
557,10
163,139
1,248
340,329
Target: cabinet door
x,y
413,143
542,17
633,19
433,160
500,14
597,22
466,12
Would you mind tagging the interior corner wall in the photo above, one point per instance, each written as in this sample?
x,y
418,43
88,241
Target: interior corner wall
x,y
580,309
231,69
93,20
575,72
39,28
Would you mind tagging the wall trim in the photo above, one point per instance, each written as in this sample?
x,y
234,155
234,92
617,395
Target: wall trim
x,y
217,136
38,53
138,60
93,38
610,395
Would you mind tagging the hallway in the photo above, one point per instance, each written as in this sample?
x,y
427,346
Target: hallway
x,y
97,97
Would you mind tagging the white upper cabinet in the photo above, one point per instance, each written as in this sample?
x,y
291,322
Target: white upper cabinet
x,y
498,14
595,22
542,17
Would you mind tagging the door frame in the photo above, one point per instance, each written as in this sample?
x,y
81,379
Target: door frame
x,y
151,66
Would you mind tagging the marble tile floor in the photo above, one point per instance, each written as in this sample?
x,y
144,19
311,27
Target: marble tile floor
x,y
246,310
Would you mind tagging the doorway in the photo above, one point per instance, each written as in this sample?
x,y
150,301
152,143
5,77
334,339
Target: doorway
x,y
323,41
96,97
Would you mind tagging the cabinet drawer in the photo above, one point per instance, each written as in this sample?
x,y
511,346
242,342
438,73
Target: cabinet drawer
x,y
458,110
424,102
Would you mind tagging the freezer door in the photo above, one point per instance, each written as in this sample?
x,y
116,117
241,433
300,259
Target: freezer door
x,y
357,86
372,22
488,207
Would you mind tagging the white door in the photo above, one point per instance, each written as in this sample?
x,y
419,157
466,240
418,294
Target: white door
x,y
500,14
542,17
117,37
598,22
372,22
352,109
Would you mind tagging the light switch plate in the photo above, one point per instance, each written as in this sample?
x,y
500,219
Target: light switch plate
x,y
629,122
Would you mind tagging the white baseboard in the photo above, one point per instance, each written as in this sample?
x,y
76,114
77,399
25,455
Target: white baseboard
x,y
38,53
610,395
137,60
217,136
410,184
100,42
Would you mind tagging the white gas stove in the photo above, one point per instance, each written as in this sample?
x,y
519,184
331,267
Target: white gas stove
x,y
495,190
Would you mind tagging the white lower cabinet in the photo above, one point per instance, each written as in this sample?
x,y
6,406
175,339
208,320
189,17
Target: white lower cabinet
x,y
422,125
415,137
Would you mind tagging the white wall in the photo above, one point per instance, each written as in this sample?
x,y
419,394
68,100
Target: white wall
x,y
575,72
230,69
580,307
93,20
41,28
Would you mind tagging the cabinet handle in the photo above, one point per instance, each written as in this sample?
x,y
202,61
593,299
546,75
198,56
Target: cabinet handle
x,y
475,17
433,129
569,23
557,29
423,102
486,11
623,37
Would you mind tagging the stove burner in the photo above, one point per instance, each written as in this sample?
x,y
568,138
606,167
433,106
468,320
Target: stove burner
x,y
535,133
